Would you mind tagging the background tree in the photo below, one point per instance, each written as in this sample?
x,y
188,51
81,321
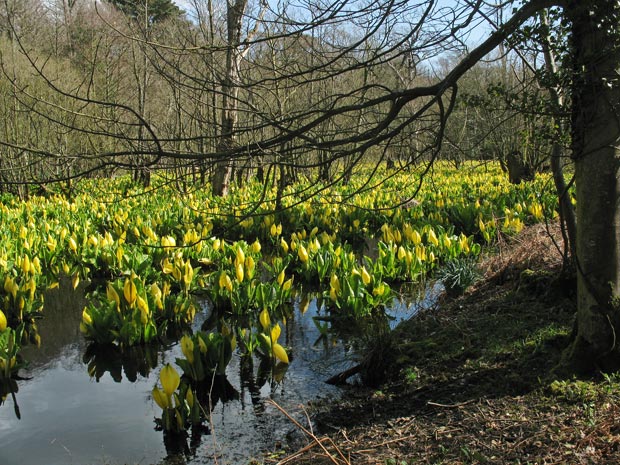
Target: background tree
x,y
151,11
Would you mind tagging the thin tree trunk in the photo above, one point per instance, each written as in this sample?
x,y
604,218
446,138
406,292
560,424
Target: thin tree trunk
x,y
567,212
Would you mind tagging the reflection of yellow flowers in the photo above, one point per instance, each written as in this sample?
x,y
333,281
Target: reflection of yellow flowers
x,y
304,304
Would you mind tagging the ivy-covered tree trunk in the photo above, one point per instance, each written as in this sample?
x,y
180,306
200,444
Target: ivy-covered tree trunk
x,y
596,152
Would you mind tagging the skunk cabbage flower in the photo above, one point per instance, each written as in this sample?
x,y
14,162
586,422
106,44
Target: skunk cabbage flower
x,y
264,319
275,333
187,346
160,398
279,353
130,292
255,246
239,272
303,254
169,378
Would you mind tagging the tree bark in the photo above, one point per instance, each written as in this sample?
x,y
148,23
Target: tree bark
x,y
230,91
596,141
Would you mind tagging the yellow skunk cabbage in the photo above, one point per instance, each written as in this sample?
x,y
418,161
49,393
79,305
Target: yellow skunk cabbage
x,y
130,292
303,254
264,319
187,347
2,321
160,398
170,379
365,276
279,353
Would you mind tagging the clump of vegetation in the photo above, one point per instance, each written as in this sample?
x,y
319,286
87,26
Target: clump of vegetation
x,y
458,274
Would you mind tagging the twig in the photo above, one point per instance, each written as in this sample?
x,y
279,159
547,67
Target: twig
x,y
301,451
312,435
436,404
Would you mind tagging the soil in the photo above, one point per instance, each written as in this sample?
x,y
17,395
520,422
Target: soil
x,y
473,381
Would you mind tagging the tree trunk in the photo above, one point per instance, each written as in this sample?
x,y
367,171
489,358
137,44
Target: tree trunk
x,y
230,90
596,140
568,219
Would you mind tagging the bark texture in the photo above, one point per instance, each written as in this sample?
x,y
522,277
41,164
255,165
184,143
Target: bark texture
x,y
230,96
596,138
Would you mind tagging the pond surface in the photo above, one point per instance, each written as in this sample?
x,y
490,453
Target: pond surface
x,y
71,417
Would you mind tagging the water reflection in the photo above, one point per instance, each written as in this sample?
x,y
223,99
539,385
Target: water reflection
x,y
73,413
116,360
59,326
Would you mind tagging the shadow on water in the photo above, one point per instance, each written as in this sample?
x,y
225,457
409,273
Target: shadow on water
x,y
85,404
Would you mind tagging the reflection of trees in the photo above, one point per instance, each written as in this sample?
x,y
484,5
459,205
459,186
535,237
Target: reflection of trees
x,y
59,328
218,389
184,445
116,360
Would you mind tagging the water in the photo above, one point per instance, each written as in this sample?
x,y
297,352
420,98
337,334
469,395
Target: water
x,y
69,417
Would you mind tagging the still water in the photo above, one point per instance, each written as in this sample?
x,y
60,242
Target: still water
x,y
69,416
